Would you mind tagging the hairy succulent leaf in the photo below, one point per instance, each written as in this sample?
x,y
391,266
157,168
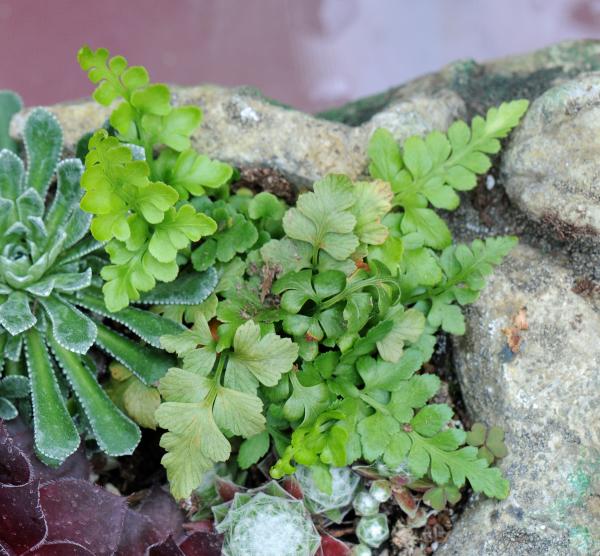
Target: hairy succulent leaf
x,y
148,326
10,104
148,364
116,434
56,437
46,291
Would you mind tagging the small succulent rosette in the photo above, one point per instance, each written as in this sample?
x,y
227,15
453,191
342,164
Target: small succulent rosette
x,y
337,500
266,521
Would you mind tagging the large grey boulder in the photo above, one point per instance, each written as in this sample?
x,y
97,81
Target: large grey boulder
x,y
552,167
547,398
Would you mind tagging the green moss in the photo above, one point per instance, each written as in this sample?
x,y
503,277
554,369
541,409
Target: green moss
x,y
359,111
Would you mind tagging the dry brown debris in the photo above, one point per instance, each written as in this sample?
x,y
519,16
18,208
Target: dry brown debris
x,y
586,287
403,539
513,333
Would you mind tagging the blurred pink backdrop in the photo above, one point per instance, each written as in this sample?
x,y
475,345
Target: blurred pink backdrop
x,y
309,53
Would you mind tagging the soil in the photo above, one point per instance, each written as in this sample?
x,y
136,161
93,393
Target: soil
x,y
487,211
139,471
266,179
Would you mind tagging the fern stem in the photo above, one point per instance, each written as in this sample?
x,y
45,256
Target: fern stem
x,y
460,277
375,404
357,286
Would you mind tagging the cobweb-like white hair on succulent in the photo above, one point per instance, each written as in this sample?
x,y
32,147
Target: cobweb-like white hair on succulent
x,y
334,504
47,259
266,522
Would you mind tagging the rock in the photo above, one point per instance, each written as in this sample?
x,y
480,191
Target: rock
x,y
417,115
246,130
547,398
482,85
551,169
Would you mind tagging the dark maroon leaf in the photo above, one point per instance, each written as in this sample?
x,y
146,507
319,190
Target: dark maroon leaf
x,y
203,526
76,465
65,548
226,489
14,464
137,535
331,546
22,523
162,510
84,513
166,548
73,517
202,544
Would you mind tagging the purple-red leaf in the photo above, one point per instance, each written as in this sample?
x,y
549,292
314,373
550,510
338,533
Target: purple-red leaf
x,y
162,510
202,544
76,465
166,548
137,534
22,523
79,511
64,548
330,546
66,516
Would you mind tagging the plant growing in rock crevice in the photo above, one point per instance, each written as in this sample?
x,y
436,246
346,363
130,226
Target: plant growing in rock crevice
x,y
314,338
363,278
47,271
137,199
266,521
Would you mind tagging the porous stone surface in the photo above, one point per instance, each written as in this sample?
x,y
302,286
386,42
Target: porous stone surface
x,y
247,130
552,166
547,398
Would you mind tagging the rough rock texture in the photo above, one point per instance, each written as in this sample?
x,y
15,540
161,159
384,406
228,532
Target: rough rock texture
x,y
246,130
552,171
483,85
547,398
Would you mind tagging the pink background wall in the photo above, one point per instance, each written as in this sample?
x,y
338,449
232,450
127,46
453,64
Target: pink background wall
x,y
310,53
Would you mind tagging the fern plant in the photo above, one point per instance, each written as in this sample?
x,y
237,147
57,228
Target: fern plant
x,y
51,309
137,198
317,345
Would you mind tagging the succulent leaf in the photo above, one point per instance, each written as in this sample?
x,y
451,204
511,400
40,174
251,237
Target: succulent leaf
x,y
43,142
148,326
56,437
67,195
15,314
12,175
148,364
115,433
70,327
10,104
191,288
